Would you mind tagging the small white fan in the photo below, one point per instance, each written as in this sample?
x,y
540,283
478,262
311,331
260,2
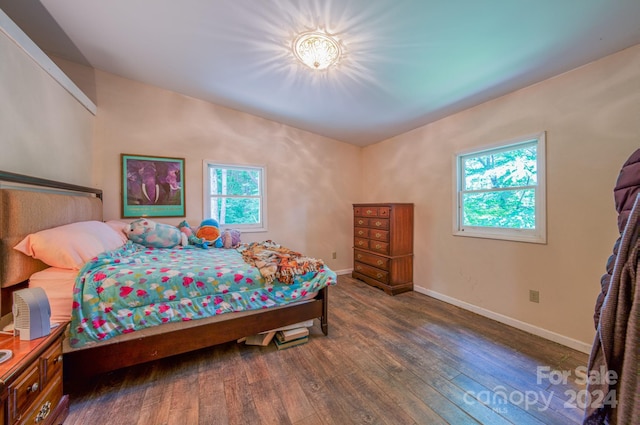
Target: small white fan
x,y
31,313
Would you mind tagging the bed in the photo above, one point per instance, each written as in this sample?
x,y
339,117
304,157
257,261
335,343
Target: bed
x,y
29,207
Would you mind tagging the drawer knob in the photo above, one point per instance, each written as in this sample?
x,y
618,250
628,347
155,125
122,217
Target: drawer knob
x,y
378,246
379,275
369,212
360,221
378,223
44,412
57,359
380,262
360,233
33,388
378,235
358,267
359,256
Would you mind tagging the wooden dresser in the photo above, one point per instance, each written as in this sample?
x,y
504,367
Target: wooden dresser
x,y
383,246
31,381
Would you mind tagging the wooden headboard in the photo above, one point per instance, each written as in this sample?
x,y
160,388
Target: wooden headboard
x,y
29,205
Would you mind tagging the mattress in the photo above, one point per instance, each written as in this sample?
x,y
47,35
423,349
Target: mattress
x,y
58,285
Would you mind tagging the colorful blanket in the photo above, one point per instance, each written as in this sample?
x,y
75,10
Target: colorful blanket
x,y
278,262
134,287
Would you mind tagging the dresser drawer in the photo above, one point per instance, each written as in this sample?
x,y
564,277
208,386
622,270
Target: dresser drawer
x,y
365,211
377,274
361,232
379,223
380,247
372,260
23,392
361,243
379,235
361,221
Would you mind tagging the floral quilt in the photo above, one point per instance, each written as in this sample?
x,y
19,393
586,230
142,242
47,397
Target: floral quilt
x,y
135,287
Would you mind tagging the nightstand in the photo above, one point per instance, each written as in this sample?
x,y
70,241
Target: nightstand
x,y
31,380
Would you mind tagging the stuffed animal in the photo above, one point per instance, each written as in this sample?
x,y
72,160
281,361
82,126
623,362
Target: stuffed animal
x,y
157,235
209,230
191,237
230,238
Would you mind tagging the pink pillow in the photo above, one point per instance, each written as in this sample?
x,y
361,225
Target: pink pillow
x,y
71,245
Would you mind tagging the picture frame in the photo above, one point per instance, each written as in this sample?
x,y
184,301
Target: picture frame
x,y
152,186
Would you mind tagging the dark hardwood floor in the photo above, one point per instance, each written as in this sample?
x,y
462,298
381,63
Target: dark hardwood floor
x,y
407,359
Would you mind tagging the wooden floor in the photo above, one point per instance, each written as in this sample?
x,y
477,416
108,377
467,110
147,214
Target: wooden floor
x,y
408,359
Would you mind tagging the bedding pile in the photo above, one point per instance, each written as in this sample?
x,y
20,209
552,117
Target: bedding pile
x,y
278,262
135,287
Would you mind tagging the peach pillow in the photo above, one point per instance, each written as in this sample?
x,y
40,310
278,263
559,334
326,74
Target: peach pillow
x,y
72,245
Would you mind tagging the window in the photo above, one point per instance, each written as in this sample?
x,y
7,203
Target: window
x,y
500,191
235,196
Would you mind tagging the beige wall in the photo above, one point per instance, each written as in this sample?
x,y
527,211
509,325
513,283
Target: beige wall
x,y
311,180
44,130
591,119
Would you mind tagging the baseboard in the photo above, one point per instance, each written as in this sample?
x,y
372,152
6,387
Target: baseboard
x,y
544,333
340,272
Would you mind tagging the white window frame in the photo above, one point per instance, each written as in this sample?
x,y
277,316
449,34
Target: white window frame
x,y
206,199
537,235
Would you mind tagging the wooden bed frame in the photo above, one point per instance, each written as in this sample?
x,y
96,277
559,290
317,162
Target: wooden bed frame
x,y
15,269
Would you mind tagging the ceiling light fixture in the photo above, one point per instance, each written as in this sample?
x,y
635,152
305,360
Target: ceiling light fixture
x,y
316,49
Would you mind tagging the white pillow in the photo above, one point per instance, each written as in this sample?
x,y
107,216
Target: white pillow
x,y
72,245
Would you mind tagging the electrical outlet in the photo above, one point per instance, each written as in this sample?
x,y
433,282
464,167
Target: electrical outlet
x,y
334,255
534,296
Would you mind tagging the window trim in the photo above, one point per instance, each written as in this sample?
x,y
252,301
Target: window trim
x,y
206,194
537,235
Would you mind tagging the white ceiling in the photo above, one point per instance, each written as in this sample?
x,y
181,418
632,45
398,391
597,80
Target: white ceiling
x,y
406,62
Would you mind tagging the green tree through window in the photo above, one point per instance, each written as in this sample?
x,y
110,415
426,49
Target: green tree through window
x,y
499,190
236,195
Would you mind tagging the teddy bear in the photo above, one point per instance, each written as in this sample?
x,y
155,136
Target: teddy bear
x,y
152,234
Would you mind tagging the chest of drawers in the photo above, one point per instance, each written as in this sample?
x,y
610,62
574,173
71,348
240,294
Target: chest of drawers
x,y
31,381
383,246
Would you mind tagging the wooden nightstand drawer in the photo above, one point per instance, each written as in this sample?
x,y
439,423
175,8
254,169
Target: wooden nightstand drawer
x,y
46,405
51,363
23,392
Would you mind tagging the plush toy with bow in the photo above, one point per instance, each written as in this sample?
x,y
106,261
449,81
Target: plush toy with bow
x,y
191,236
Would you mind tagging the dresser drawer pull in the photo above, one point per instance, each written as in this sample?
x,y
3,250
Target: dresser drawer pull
x,y
380,262
360,243
360,221
378,223
359,256
360,232
378,246
379,275
358,267
33,388
44,412
57,359
378,235
369,212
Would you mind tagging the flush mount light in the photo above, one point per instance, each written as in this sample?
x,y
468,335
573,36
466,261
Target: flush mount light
x,y
316,49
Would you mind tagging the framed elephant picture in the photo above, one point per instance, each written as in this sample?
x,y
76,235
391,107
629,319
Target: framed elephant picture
x,y
152,186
